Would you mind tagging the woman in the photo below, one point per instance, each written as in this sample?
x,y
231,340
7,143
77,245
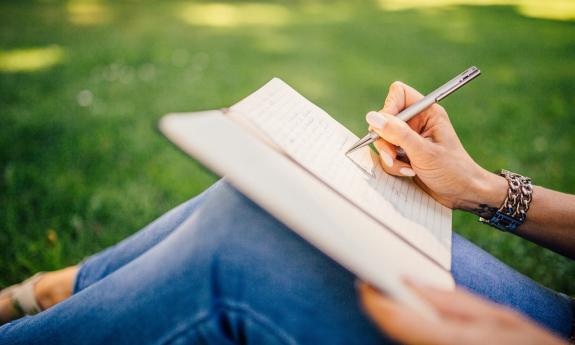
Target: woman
x,y
220,270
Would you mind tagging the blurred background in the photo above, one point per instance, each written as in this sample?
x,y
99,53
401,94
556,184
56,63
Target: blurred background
x,y
84,82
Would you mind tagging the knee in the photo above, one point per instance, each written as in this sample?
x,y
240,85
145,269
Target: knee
x,y
230,215
239,230
230,230
246,245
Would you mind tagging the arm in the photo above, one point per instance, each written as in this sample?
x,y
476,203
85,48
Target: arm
x,y
550,221
443,168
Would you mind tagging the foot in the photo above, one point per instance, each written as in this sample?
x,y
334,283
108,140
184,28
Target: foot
x,y
51,288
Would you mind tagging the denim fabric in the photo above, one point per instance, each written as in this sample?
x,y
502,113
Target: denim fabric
x,y
109,260
220,270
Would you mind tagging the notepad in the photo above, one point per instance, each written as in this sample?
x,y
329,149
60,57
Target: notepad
x,y
314,139
288,156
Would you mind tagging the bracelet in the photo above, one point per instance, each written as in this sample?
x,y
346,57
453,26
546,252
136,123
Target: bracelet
x,y
513,211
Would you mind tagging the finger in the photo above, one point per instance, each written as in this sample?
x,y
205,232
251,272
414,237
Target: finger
x,y
458,303
396,132
392,165
396,151
399,97
401,323
387,152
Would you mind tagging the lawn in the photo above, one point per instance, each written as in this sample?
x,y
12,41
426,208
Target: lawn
x,y
83,84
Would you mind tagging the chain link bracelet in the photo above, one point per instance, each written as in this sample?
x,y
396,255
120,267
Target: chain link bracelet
x,y
513,211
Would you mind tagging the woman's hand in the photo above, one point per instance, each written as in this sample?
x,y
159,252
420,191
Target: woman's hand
x,y
437,159
463,319
441,166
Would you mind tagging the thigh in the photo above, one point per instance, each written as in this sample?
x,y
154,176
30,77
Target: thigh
x,y
485,275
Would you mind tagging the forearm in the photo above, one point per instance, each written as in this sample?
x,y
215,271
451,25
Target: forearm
x,y
550,220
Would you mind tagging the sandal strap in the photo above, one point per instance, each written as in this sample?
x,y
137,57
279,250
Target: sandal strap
x,y
23,297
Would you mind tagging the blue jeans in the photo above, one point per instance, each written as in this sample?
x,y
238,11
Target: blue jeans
x,y
220,270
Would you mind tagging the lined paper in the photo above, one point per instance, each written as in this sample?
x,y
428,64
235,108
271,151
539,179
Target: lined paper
x,y
317,142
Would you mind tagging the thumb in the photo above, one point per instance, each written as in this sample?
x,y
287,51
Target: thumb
x,y
395,131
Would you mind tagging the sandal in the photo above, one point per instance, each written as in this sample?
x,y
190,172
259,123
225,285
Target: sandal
x,y
23,298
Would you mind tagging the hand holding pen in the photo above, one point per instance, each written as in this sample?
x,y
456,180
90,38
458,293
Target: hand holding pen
x,y
437,158
424,103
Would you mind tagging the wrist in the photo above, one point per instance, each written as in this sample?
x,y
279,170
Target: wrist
x,y
486,193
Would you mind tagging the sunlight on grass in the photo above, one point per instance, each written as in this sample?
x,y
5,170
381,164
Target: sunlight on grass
x,y
547,9
460,28
336,11
228,15
31,59
87,12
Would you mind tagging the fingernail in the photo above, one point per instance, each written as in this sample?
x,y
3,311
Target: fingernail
x,y
386,158
407,172
376,120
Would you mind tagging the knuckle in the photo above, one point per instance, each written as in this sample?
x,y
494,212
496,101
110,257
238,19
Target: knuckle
x,y
439,107
439,110
403,136
395,86
401,130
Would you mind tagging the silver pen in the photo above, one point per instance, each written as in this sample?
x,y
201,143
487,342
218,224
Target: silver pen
x,y
416,108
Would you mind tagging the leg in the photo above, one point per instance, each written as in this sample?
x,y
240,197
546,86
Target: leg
x,y
229,274
101,264
54,287
483,274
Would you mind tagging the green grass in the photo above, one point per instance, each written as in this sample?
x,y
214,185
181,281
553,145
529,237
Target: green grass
x,y
75,179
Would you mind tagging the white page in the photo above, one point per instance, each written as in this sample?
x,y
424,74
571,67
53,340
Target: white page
x,y
318,142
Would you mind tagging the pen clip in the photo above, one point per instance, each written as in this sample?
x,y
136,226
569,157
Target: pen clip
x,y
457,82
